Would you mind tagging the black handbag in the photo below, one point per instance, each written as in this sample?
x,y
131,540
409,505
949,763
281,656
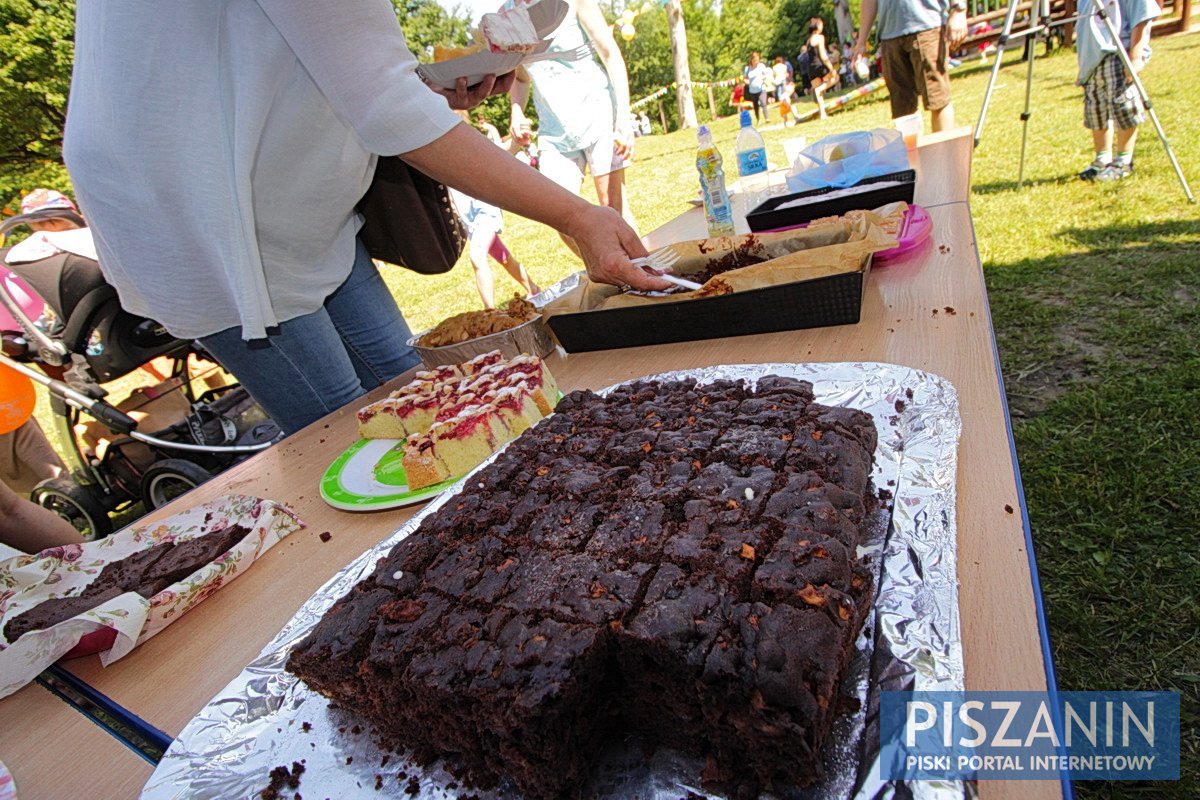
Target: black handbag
x,y
409,220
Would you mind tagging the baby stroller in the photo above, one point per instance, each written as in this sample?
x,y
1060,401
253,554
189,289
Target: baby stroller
x,y
93,341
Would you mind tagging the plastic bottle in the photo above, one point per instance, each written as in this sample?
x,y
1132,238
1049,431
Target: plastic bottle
x,y
750,148
718,211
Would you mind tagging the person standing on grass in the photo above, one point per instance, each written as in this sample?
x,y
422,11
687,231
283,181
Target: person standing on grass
x,y
822,75
915,40
1109,94
756,76
582,106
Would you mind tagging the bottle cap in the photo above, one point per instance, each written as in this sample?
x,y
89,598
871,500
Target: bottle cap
x,y
745,119
702,130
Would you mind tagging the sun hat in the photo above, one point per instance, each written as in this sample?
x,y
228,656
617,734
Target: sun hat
x,y
40,205
45,199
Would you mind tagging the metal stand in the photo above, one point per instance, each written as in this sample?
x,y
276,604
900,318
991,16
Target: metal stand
x,y
1030,34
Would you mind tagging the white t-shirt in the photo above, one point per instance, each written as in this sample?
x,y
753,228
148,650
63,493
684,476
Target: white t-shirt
x,y
218,148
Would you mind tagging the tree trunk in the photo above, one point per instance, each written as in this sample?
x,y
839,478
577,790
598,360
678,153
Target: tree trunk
x,y
845,23
683,73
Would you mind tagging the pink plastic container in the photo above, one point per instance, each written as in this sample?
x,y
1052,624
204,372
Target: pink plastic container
x,y
914,230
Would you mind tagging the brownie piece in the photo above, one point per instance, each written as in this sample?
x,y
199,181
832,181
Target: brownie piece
x,y
675,559
146,572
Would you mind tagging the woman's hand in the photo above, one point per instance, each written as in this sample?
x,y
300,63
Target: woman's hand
x,y
463,97
607,243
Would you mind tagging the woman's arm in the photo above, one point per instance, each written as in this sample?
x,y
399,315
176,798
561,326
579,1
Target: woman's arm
x,y
591,19
465,159
29,527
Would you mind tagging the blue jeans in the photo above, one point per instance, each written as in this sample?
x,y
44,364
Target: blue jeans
x,y
317,363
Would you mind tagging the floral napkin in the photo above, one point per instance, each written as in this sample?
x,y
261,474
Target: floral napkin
x,y
27,580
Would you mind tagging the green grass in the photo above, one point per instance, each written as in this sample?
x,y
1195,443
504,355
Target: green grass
x,y
1094,294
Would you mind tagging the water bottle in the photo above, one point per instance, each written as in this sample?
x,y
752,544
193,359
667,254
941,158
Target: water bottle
x,y
750,148
718,211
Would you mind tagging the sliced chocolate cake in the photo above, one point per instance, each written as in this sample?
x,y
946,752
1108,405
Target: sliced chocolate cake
x,y
674,560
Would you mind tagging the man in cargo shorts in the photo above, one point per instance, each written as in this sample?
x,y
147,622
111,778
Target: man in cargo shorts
x,y
915,40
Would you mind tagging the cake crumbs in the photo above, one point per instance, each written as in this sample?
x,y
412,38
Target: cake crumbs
x,y
349,760
1008,509
413,786
306,726
908,393
950,310
378,782
943,248
900,406
325,536
282,778
935,313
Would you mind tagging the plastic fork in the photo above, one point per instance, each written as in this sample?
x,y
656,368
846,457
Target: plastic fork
x,y
578,54
661,261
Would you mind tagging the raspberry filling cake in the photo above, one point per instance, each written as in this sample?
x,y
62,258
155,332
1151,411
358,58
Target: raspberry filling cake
x,y
510,30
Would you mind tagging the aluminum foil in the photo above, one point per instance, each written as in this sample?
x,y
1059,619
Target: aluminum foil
x,y
266,717
531,337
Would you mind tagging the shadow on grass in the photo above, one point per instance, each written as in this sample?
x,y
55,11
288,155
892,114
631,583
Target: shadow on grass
x,y
996,187
1151,234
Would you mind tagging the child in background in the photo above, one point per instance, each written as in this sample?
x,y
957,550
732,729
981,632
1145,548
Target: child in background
x,y
1109,94
484,224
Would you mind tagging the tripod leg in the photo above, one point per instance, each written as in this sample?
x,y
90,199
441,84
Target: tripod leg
x,y
1027,113
1009,19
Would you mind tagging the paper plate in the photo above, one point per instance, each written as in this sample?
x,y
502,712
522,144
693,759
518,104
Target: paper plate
x,y
369,476
8,788
546,16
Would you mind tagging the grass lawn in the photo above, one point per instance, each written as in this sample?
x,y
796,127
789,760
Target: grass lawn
x,y
1094,292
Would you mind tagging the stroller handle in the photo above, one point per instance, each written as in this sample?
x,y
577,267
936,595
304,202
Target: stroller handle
x,y
199,448
115,418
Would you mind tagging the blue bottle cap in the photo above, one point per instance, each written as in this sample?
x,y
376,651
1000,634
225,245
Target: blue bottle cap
x,y
745,119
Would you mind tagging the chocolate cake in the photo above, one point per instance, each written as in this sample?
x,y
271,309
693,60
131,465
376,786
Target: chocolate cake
x,y
146,572
675,560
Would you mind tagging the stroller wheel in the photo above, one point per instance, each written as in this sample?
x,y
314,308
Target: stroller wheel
x,y
165,480
75,504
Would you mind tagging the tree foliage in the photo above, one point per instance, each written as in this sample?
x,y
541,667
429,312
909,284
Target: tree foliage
x,y
38,48
425,24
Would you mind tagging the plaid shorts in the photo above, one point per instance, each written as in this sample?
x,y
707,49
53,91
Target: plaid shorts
x,y
1110,95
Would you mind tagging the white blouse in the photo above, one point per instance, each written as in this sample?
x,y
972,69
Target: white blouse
x,y
218,147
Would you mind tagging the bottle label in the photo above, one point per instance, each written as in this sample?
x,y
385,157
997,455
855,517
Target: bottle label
x,y
752,162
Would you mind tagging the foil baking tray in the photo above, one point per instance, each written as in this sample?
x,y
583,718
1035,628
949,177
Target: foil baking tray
x,y
532,337
266,717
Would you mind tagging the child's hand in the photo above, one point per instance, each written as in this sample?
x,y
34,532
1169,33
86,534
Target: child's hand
x,y
1138,62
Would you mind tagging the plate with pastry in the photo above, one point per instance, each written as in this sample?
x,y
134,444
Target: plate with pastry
x,y
502,41
421,438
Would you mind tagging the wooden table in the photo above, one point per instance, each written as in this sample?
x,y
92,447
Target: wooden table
x,y
931,314
54,752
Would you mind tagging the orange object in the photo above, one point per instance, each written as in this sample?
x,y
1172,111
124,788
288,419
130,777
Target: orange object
x,y
17,399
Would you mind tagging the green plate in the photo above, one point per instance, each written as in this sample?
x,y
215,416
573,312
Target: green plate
x,y
369,476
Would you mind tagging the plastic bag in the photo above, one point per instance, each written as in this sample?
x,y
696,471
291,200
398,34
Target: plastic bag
x,y
844,159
